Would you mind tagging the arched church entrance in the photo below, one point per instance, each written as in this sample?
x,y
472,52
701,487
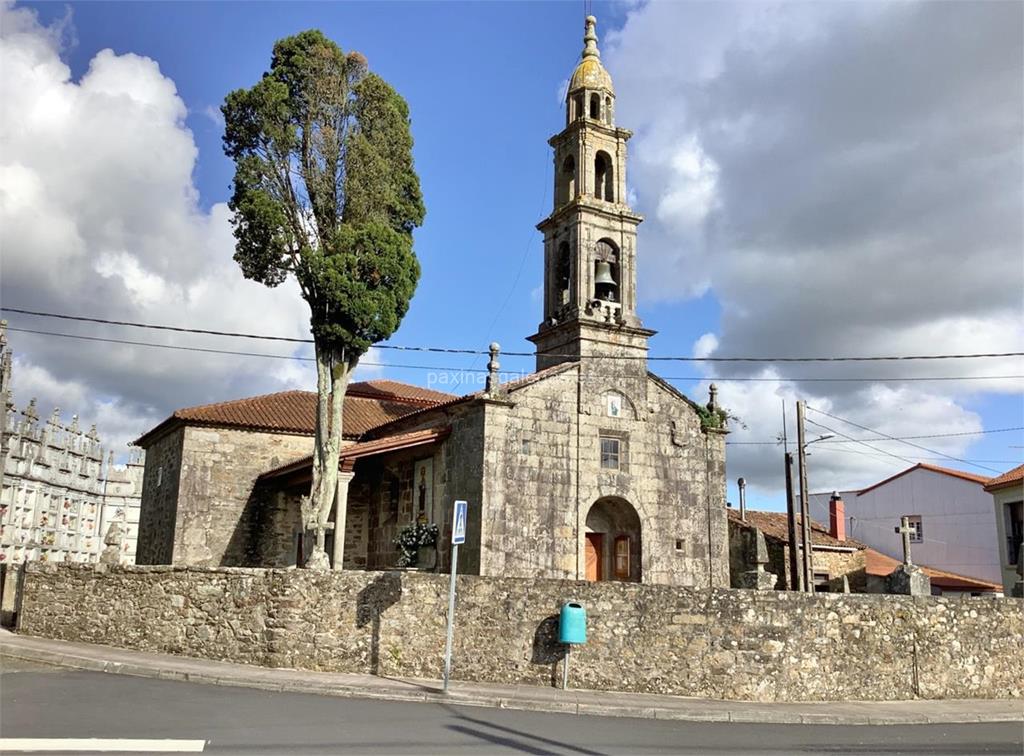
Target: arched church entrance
x,y
612,541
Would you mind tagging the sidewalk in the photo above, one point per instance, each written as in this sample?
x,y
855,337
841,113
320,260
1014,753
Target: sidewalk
x,y
86,656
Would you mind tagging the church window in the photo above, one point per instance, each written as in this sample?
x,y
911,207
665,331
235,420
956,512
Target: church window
x,y
608,110
578,106
567,184
603,179
595,106
562,269
610,449
606,271
622,557
680,544
159,476
525,446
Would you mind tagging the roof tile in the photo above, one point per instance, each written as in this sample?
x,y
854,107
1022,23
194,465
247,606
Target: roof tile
x,y
367,404
1007,479
775,525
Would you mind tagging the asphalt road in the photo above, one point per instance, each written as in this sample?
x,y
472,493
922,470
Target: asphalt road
x,y
45,702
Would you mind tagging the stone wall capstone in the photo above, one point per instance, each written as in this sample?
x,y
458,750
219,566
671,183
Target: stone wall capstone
x,y
732,644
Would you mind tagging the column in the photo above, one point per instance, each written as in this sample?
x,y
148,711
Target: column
x,y
340,510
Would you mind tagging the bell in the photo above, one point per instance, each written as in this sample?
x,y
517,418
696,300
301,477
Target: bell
x,y
604,274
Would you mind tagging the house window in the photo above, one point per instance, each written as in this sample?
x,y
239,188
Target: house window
x,y
916,529
610,449
821,580
680,544
159,476
622,557
1014,514
525,446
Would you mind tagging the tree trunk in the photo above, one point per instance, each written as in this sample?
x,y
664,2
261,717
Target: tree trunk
x,y
332,373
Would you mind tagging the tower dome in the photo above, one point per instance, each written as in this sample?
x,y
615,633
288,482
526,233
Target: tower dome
x,y
590,74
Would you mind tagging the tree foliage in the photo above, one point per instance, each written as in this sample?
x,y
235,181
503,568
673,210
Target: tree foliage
x,y
325,191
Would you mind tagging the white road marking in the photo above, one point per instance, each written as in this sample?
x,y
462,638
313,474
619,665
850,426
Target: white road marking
x,y
99,745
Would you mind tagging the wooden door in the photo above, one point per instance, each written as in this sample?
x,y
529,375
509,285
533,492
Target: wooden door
x,y
594,554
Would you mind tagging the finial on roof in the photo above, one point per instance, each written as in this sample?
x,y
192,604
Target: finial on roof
x,y
493,366
590,39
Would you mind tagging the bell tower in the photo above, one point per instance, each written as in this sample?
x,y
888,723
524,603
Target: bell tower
x,y
590,236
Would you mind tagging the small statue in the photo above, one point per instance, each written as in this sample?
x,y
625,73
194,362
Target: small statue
x,y
114,543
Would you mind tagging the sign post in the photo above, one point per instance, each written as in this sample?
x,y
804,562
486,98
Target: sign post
x,y
458,536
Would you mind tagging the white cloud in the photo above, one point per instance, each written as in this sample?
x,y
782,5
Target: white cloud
x,y
214,115
845,178
100,217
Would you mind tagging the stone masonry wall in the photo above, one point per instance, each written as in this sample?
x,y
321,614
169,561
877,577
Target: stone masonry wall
x,y
767,646
159,507
219,468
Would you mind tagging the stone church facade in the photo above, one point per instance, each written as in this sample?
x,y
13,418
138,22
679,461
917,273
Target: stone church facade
x,y
590,468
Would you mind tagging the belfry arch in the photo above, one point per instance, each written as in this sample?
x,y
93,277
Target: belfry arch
x,y
612,541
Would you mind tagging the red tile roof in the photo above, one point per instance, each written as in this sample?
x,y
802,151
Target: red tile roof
x,y
367,449
972,477
775,525
1007,479
880,565
367,404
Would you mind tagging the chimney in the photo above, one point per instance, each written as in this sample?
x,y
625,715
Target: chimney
x,y
837,517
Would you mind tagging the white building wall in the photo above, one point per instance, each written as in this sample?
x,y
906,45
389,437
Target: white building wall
x,y
956,517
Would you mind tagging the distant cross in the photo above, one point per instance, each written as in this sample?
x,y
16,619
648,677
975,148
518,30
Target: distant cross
x,y
905,530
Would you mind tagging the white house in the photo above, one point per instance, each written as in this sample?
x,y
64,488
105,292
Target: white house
x,y
1007,492
950,513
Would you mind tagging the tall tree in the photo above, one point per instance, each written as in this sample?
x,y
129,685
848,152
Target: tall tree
x,y
325,191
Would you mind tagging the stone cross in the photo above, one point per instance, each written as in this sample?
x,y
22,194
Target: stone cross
x,y
905,530
760,550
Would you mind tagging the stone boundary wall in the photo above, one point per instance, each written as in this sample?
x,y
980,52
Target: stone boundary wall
x,y
747,645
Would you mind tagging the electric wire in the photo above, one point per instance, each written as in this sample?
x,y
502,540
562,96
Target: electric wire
x,y
452,350
862,443
885,436
901,438
452,369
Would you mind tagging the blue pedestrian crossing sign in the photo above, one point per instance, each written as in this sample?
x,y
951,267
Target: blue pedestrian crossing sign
x,y
459,523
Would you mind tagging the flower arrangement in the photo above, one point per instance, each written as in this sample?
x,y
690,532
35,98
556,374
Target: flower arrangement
x,y
411,538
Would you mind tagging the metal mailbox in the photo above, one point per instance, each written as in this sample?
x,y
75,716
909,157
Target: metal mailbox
x,y
572,624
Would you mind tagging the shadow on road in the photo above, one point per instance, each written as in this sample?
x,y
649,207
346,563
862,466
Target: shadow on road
x,y
511,738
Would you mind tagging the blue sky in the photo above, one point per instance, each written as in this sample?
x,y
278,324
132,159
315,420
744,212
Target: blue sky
x,y
482,81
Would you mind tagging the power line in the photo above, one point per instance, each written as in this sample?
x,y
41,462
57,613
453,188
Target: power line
x,y
450,350
900,438
908,443
452,369
862,443
824,448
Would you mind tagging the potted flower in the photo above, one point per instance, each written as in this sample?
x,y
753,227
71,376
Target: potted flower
x,y
417,546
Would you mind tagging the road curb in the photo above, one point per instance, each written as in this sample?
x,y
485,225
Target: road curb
x,y
262,678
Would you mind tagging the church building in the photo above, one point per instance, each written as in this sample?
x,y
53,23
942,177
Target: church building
x,y
591,468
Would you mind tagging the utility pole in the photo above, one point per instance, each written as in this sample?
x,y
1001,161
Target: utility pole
x,y
805,520
796,582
